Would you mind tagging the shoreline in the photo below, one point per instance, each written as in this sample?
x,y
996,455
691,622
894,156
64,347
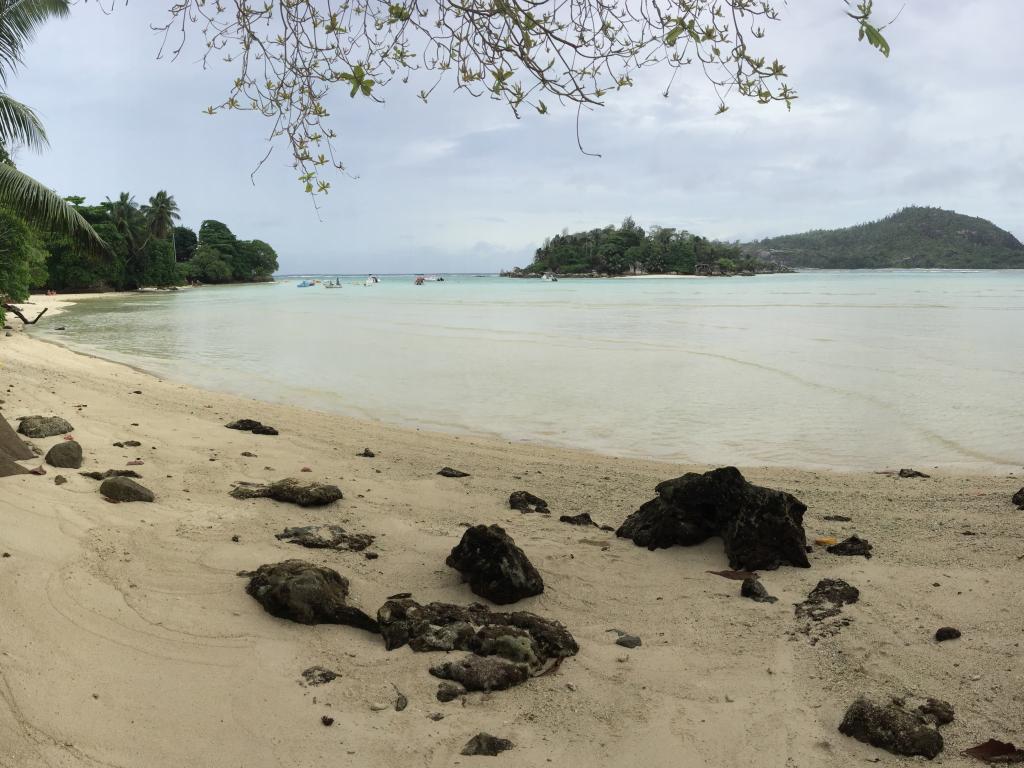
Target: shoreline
x,y
107,603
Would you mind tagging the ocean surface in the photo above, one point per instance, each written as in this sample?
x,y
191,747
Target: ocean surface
x,y
851,370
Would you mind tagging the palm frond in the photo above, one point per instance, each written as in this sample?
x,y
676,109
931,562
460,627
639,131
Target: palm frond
x,y
19,123
43,208
18,22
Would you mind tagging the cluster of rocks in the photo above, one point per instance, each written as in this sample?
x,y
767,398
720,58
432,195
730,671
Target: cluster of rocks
x,y
761,528
251,425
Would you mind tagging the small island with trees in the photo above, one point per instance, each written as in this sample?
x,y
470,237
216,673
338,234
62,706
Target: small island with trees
x,y
629,250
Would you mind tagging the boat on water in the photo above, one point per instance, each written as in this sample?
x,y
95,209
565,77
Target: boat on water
x,y
372,280
550,277
335,284
305,284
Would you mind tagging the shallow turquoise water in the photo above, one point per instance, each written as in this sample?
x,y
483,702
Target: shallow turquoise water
x,y
829,369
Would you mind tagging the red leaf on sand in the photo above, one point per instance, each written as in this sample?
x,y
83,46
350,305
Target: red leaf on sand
x,y
69,437
40,470
136,463
737,575
993,751
305,469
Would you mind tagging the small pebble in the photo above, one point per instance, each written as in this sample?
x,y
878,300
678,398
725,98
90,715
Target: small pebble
x,y
327,720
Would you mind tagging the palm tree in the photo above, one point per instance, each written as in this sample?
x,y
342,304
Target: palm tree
x,y
161,213
31,200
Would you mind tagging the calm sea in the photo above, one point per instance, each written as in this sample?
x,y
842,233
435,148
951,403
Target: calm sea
x,y
819,369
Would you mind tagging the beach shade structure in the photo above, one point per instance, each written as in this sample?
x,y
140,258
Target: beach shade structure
x,y
11,445
8,467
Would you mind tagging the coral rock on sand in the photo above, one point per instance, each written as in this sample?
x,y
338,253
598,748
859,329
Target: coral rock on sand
x,y
307,594
66,455
754,589
761,528
44,426
449,691
937,711
124,489
946,633
326,537
290,490
449,472
494,566
482,673
892,728
852,546
318,675
525,502
519,636
251,425
1018,498
912,473
111,473
485,744
583,518
827,599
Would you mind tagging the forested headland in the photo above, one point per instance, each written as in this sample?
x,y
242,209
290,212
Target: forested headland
x,y
628,249
913,237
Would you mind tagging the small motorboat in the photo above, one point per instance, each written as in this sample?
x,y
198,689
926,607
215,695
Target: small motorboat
x,y
432,278
372,280
550,277
335,284
305,284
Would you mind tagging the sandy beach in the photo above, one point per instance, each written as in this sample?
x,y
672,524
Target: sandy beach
x,y
128,640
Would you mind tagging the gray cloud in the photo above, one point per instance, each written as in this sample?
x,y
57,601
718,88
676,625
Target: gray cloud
x,y
460,184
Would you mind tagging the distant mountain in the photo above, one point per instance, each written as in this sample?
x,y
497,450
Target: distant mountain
x,y
913,237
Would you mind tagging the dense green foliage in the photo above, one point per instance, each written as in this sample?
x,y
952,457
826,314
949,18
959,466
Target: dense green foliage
x,y
628,249
185,242
220,257
913,237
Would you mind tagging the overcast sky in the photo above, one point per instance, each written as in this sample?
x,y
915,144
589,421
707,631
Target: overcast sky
x,y
460,185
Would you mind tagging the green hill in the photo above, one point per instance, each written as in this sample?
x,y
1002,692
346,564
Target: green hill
x,y
913,237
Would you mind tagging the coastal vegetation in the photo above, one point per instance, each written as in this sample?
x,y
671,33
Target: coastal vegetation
x,y
913,237
628,249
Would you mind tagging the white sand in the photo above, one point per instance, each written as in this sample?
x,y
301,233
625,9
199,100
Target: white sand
x,y
127,640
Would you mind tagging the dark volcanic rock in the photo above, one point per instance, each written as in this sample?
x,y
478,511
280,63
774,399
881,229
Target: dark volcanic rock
x,y
912,473
290,490
891,728
449,691
59,480
852,546
946,633
367,454
583,518
761,528
251,425
125,489
482,673
127,444
318,675
449,472
44,426
485,744
307,594
937,711
66,455
754,589
628,641
1018,498
524,501
326,537
520,636
827,599
494,566
837,518
111,473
